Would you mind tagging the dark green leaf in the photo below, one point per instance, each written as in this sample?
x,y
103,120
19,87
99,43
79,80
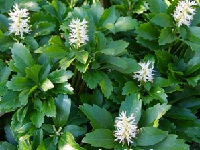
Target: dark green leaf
x,y
171,142
157,6
150,136
55,51
48,107
193,65
19,83
37,118
130,87
163,20
159,94
92,78
153,114
100,138
147,31
100,118
106,85
22,57
166,36
115,47
109,17
63,105
33,73
60,76
75,130
7,146
132,105
44,28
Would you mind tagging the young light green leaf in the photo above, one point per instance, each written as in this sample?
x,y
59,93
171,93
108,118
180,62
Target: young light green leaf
x,y
47,85
150,136
132,105
63,106
153,114
100,138
100,118
67,142
82,56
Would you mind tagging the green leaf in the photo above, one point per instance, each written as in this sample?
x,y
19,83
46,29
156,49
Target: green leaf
x,y
163,61
167,36
60,8
109,17
150,136
37,118
147,31
124,24
63,105
44,28
82,56
19,84
100,118
67,141
49,108
63,88
157,6
153,114
33,73
171,142
159,94
130,87
60,76
47,85
132,105
23,97
7,146
47,144
92,78
55,40
193,65
24,145
64,63
29,40
4,74
163,20
100,138
115,47
55,51
22,57
75,130
30,5
106,85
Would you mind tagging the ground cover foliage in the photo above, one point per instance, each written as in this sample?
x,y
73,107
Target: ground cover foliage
x,y
90,74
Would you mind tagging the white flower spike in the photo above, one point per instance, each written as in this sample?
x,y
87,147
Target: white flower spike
x,y
146,72
184,12
78,32
19,21
126,128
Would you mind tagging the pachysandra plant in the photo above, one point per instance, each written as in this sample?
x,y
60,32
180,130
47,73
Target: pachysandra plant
x,y
104,74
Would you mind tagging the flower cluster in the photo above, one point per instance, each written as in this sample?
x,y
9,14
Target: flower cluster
x,y
184,12
78,32
146,72
126,128
19,21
